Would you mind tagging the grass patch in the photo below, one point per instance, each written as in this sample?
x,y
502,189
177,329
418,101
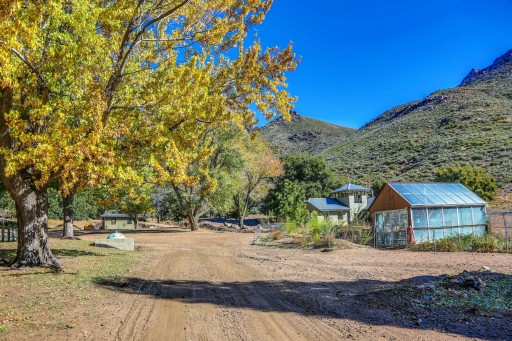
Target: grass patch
x,y
43,302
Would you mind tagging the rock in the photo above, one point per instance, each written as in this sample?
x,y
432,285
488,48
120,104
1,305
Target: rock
x,y
427,297
485,269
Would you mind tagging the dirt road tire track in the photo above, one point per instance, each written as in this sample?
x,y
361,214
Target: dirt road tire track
x,y
214,286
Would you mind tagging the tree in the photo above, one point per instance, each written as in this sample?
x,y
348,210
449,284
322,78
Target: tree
x,y
80,79
211,184
160,202
136,201
474,178
377,186
291,204
311,173
260,168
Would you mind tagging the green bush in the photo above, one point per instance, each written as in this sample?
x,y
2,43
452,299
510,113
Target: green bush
x,y
446,245
486,244
468,243
359,234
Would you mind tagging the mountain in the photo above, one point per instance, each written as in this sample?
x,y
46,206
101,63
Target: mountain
x,y
468,124
303,135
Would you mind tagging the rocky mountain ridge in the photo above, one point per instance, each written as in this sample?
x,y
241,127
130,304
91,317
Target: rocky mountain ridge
x,y
469,124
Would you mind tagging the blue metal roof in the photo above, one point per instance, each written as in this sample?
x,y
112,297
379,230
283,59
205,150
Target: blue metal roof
x,y
436,194
351,187
327,204
369,203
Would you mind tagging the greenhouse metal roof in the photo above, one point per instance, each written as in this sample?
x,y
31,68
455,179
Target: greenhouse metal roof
x,y
436,194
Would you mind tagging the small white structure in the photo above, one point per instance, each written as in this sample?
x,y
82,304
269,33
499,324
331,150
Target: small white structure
x,y
117,241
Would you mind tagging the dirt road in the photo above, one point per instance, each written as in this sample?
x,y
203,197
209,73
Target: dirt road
x,y
217,286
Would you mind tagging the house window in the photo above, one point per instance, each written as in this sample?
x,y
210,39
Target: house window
x,y
358,198
113,221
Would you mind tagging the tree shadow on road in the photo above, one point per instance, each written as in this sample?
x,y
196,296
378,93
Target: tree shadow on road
x,y
368,301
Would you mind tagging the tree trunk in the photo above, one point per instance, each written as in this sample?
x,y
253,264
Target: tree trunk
x,y
31,203
194,222
241,220
135,221
32,216
67,203
158,218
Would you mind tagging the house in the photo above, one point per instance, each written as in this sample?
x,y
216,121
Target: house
x,y
343,205
116,221
422,212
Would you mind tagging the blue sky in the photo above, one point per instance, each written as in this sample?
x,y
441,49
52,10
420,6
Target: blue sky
x,y
363,57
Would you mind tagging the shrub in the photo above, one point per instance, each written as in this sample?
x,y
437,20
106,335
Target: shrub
x,y
485,244
469,243
359,234
446,245
277,235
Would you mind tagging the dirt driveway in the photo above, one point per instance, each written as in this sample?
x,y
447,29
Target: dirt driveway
x,y
217,286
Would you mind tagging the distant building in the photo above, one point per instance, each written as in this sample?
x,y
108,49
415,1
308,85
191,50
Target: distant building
x,y
430,211
116,221
344,204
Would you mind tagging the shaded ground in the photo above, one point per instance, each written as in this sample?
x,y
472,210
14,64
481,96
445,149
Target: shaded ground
x,y
217,286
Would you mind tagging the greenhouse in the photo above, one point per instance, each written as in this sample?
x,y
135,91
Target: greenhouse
x,y
430,211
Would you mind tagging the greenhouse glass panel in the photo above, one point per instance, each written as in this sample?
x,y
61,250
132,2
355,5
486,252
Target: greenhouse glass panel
x,y
391,228
406,194
452,232
443,195
479,230
456,190
419,191
466,231
465,216
420,236
450,216
479,217
435,217
438,234
379,220
476,198
434,194
419,217
443,188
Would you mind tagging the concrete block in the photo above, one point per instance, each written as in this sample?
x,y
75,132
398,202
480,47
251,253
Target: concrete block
x,y
122,243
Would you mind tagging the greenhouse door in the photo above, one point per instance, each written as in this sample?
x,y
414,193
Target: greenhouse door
x,y
391,228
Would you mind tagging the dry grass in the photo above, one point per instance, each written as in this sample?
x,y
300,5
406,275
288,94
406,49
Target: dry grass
x,y
39,302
